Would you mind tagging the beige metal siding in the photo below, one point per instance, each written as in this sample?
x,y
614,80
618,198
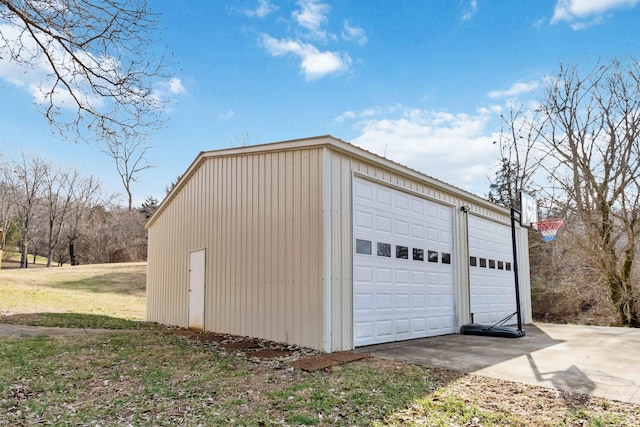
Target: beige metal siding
x,y
259,217
342,168
170,240
276,221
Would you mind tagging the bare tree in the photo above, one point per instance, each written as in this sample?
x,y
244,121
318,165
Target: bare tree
x,y
98,60
520,158
87,201
58,191
592,131
129,158
116,235
24,181
6,206
50,206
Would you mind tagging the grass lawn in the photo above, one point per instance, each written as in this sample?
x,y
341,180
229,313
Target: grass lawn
x,y
12,260
170,377
115,290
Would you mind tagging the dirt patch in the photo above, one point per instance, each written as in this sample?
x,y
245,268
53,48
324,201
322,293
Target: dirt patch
x,y
347,356
181,332
204,338
324,361
272,354
241,345
269,353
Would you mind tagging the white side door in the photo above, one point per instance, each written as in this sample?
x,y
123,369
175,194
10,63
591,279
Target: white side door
x,y
196,289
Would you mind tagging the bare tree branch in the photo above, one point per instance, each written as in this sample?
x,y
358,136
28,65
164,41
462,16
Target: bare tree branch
x,y
98,59
592,130
129,159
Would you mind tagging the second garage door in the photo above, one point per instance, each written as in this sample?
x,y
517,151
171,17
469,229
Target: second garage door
x,y
403,265
491,275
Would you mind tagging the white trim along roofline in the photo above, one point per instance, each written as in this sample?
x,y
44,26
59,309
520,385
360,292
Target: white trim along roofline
x,y
321,141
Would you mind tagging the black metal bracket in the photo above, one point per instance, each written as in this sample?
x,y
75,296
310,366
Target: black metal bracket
x,y
515,265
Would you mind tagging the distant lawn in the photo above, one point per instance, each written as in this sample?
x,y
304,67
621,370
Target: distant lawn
x,y
112,290
12,260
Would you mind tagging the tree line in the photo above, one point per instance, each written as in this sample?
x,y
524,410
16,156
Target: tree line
x,y
66,216
577,148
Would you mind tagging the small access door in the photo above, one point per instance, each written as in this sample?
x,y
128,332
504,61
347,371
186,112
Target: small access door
x,y
196,289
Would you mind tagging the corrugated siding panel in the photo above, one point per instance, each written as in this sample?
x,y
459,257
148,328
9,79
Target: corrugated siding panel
x,y
167,289
259,216
342,169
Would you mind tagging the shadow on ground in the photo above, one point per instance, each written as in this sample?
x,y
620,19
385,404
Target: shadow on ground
x,y
466,353
125,283
75,320
599,361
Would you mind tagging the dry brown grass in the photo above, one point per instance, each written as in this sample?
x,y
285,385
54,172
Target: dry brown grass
x,y
176,377
116,290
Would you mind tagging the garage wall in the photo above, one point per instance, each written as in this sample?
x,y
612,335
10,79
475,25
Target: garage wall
x,y
340,167
276,223
169,242
259,217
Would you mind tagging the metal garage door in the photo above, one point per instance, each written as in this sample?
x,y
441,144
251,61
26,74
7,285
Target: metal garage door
x,y
402,265
491,276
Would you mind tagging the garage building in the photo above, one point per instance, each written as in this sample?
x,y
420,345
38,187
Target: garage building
x,y
319,243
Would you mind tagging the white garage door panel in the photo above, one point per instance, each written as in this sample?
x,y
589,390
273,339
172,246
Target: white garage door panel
x,y
491,276
401,296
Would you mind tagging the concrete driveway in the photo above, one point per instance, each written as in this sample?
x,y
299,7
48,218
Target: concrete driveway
x,y
600,361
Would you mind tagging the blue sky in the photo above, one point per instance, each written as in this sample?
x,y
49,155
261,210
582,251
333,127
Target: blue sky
x,y
420,82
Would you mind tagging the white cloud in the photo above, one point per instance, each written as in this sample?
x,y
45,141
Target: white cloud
x,y
263,9
578,26
347,115
37,78
226,115
175,86
165,90
367,113
581,14
455,148
356,34
470,10
314,63
515,90
312,16
539,23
